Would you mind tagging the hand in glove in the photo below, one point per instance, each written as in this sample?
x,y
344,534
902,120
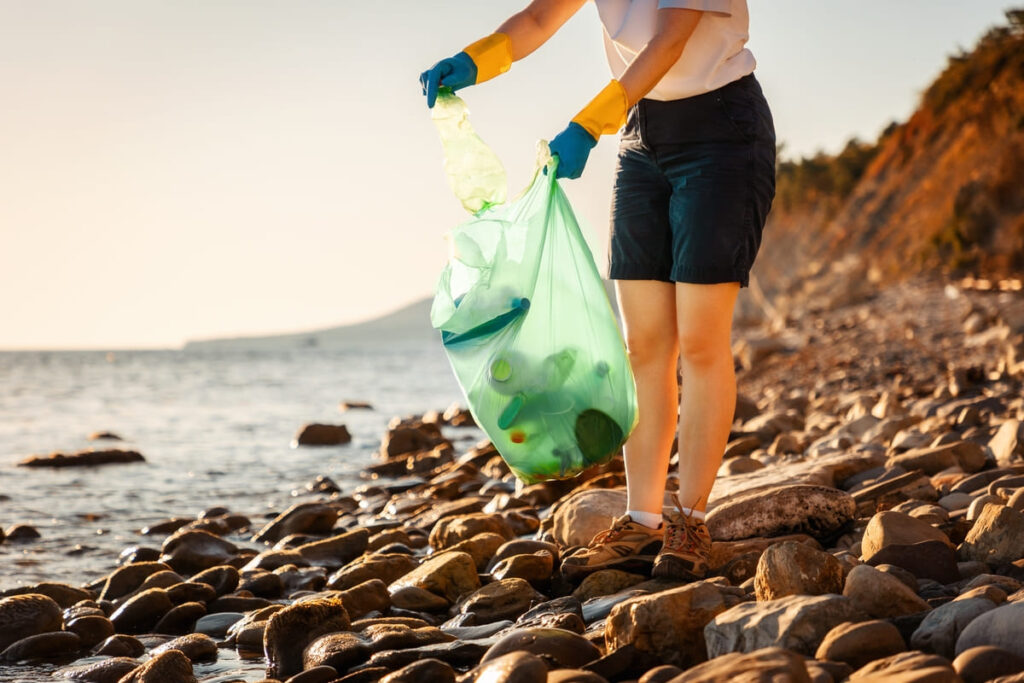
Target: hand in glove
x,y
605,114
479,62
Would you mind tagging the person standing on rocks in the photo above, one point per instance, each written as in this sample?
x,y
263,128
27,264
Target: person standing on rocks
x,y
694,183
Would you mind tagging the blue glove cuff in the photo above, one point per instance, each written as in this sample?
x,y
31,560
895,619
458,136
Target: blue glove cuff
x,y
582,134
572,147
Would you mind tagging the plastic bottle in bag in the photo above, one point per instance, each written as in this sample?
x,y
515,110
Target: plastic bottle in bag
x,y
474,171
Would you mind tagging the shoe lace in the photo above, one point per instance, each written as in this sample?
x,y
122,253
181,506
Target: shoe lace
x,y
681,534
609,535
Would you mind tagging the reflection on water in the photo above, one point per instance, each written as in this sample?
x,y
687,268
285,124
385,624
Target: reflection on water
x,y
230,666
215,430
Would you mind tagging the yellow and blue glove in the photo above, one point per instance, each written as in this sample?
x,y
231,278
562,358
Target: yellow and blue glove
x,y
479,62
605,114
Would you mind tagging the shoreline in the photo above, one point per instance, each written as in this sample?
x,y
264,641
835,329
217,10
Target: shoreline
x,y
875,487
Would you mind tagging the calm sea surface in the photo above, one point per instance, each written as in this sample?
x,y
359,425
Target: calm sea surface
x,y
215,429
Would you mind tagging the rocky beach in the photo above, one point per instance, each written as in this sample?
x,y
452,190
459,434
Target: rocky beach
x,y
868,524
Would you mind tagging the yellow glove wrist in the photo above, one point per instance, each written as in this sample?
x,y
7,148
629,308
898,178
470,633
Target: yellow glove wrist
x,y
492,56
606,113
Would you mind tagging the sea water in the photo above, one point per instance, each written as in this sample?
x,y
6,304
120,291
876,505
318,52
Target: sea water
x,y
216,428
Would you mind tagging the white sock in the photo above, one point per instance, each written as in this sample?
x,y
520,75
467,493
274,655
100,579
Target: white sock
x,y
696,514
651,520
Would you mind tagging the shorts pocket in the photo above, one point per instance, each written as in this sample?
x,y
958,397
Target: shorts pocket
x,y
739,109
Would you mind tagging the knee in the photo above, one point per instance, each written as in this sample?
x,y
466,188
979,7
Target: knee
x,y
698,349
652,349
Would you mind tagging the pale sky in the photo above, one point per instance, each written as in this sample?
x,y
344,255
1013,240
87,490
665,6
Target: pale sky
x,y
183,169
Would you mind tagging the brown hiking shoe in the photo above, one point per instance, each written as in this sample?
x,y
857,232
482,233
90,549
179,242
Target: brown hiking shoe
x,y
685,552
626,545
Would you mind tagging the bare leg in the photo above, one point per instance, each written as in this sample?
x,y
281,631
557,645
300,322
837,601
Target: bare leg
x,y
704,318
648,309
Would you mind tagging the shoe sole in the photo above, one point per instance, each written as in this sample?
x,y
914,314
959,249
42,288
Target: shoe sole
x,y
636,562
669,567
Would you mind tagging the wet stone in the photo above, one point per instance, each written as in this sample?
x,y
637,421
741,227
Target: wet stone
x,y
42,646
91,628
181,619
386,567
522,546
502,599
338,650
126,579
141,612
261,583
192,551
120,645
606,582
599,608
564,648
289,630
27,615
164,579
61,593
484,630
417,599
535,568
400,637
312,517
367,597
449,575
450,530
513,667
433,670
299,579
337,551
236,603
480,547
196,646
316,434
318,674
106,671
222,579
168,666
458,653
217,625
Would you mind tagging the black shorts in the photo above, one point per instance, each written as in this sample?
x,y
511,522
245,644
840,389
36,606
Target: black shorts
x,y
694,183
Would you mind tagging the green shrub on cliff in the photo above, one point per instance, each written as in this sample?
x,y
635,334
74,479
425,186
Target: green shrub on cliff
x,y
822,177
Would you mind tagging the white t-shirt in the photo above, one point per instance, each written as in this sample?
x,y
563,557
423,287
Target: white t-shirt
x,y
714,55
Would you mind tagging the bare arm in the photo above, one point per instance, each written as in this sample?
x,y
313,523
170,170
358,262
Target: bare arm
x,y
674,28
531,28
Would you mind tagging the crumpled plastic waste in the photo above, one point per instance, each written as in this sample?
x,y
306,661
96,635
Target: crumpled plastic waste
x,y
524,316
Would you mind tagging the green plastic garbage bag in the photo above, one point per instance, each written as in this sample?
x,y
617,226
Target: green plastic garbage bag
x,y
525,319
